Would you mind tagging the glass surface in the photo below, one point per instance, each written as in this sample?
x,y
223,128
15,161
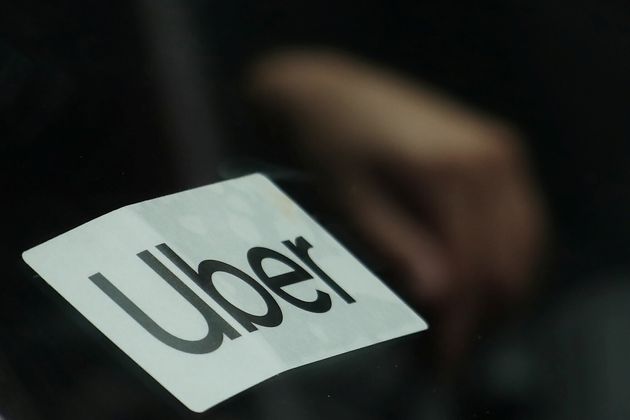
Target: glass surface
x,y
105,105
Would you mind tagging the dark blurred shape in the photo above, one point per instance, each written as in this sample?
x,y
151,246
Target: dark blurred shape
x,y
104,104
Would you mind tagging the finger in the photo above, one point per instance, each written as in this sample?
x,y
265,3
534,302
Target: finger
x,y
394,234
449,202
490,229
336,94
487,214
513,213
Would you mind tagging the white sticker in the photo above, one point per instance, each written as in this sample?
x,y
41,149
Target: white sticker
x,y
216,289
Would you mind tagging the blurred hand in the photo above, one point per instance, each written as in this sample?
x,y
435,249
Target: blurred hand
x,y
442,191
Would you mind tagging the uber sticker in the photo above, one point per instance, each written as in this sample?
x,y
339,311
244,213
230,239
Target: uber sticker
x,y
216,289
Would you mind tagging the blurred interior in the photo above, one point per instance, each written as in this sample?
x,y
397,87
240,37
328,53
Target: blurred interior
x,y
108,104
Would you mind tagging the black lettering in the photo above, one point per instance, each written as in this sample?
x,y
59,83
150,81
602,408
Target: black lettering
x,y
300,249
256,255
203,278
217,326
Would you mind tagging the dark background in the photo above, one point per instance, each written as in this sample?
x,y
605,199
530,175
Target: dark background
x,y
106,104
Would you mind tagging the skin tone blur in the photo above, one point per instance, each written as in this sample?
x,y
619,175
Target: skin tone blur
x,y
442,191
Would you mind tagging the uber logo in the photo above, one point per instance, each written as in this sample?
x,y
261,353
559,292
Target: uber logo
x,y
214,329
217,326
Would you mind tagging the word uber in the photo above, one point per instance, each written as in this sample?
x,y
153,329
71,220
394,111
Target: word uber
x,y
203,277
